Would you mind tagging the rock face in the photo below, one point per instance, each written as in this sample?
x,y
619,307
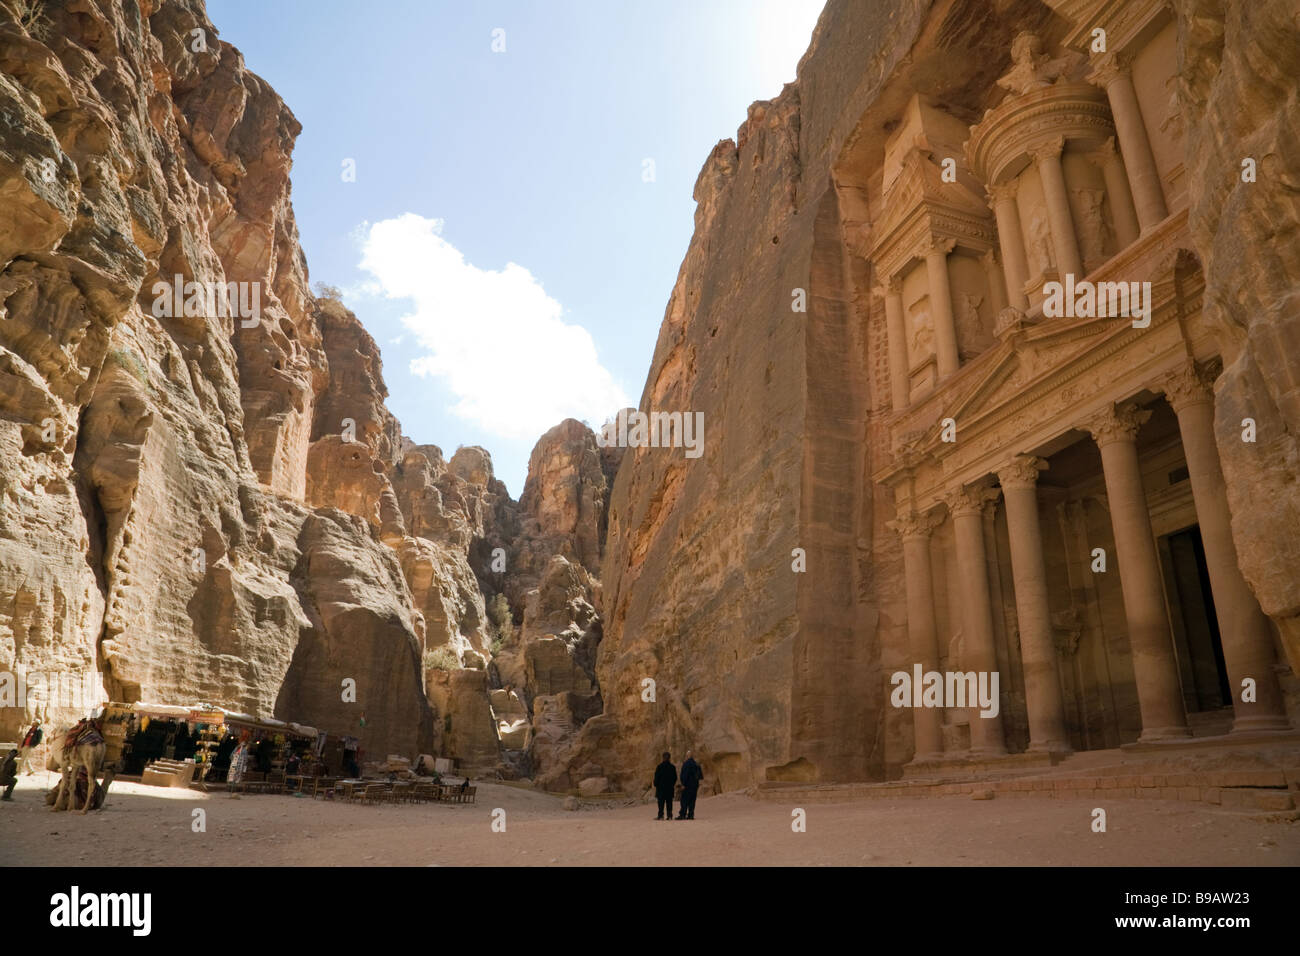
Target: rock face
x,y
755,600
759,666
201,503
553,586
155,532
1239,94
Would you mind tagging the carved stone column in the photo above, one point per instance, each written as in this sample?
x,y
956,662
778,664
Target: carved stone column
x,y
945,328
1154,668
922,632
1117,190
1243,626
1043,698
1113,75
1047,159
899,380
979,652
1012,242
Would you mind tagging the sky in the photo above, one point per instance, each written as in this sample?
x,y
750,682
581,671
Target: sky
x,y
501,189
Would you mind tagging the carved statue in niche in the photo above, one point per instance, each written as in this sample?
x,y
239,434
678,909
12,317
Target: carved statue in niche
x,y
968,318
1032,68
1172,124
1092,224
922,335
1039,241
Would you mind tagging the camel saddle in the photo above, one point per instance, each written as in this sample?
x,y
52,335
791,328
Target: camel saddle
x,y
83,732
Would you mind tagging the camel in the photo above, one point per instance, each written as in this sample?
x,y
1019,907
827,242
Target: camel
x,y
70,749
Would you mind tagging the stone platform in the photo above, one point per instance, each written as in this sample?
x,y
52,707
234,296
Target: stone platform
x,y
1256,774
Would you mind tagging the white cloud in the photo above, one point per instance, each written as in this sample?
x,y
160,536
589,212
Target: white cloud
x,y
494,338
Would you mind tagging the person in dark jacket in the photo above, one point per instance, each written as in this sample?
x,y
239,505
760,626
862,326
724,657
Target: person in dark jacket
x,y
9,774
691,777
665,781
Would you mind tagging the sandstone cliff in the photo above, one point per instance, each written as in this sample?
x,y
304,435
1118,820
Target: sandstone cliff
x,y
197,505
754,598
1240,92
758,666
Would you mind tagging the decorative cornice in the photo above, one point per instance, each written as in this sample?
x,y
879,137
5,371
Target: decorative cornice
x,y
1021,472
1116,423
1077,111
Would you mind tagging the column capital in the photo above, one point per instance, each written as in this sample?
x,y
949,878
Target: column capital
x,y
1187,385
1104,153
938,246
1107,68
888,285
1003,192
991,259
970,500
1048,150
1021,472
914,525
1116,423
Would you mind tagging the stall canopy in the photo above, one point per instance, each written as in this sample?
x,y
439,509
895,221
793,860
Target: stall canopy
x,y
207,714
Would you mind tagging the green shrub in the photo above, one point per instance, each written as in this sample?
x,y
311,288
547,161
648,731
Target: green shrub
x,y
132,364
441,658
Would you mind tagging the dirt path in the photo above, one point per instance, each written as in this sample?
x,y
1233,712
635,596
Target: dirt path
x,y
148,826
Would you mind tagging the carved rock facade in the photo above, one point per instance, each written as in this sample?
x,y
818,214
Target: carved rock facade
x,y
933,464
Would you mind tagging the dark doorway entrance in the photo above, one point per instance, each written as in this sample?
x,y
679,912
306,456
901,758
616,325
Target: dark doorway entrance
x,y
1197,639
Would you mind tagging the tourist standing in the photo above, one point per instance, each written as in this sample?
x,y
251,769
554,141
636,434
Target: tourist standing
x,y
665,781
31,741
691,777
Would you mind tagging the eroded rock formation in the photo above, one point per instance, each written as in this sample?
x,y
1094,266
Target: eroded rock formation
x,y
204,500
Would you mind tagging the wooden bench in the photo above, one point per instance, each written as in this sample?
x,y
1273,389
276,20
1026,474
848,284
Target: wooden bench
x,y
426,793
373,793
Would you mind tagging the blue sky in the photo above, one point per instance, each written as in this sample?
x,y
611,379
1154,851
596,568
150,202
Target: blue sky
x,y
505,240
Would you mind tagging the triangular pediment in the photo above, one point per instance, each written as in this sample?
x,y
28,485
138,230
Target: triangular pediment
x,y
1029,357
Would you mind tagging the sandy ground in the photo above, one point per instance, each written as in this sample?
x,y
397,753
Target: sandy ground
x,y
149,826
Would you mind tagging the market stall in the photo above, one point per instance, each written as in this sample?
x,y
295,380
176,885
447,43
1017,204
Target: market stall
x,y
172,737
